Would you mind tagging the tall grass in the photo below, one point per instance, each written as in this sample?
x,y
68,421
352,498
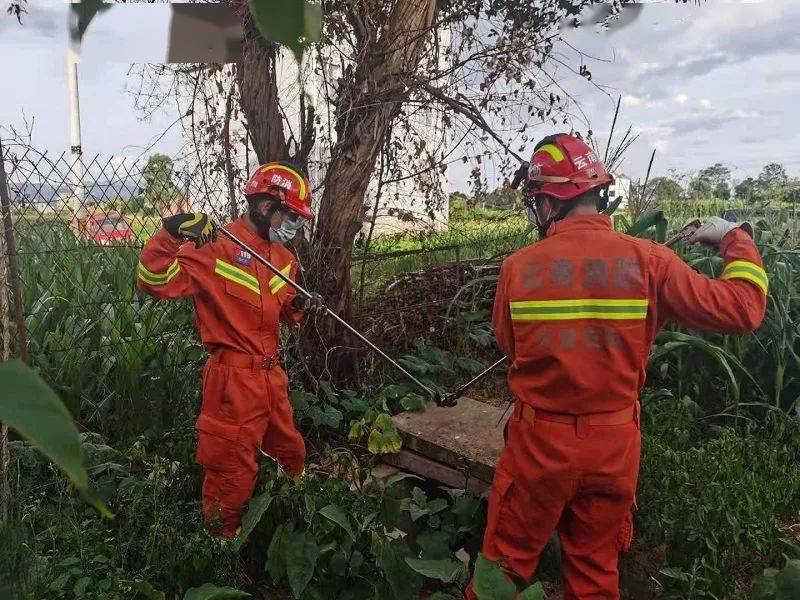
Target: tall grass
x,y
118,359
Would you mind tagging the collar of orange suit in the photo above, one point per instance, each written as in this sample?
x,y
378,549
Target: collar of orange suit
x,y
240,229
578,223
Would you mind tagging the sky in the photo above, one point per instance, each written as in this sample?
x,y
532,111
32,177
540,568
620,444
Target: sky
x,y
718,82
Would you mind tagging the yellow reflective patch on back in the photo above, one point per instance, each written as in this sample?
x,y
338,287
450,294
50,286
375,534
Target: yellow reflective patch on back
x,y
580,308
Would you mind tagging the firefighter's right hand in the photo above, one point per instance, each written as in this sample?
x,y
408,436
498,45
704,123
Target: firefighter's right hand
x,y
197,227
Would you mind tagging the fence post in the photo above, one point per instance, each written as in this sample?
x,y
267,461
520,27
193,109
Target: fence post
x,y
8,262
13,259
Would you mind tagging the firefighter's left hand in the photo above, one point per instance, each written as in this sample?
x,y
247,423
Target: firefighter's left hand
x,y
714,229
314,304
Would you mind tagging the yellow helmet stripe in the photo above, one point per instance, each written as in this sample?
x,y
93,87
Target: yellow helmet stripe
x,y
553,151
301,180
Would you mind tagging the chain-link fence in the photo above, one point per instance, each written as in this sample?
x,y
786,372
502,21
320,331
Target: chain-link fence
x,y
122,360
76,229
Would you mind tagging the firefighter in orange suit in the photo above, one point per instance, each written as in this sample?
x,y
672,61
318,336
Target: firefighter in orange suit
x,y
239,306
576,314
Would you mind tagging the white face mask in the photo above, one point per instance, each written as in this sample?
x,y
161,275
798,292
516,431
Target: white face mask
x,y
287,231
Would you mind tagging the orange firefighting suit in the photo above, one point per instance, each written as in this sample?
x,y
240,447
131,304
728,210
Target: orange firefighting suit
x,y
577,314
239,305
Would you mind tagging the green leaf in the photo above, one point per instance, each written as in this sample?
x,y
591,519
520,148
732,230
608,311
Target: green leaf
x,y
787,581
434,545
143,588
208,591
446,570
490,581
413,403
335,513
255,510
471,366
301,558
384,437
276,564
356,429
327,415
764,587
30,407
405,582
534,592
645,222
80,586
288,22
302,400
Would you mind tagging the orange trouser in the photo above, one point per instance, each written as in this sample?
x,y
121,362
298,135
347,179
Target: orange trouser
x,y
245,408
573,475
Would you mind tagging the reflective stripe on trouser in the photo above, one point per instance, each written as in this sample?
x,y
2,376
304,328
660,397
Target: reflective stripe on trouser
x,y
550,479
243,410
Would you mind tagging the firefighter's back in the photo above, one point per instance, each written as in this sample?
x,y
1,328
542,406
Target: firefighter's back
x,y
582,317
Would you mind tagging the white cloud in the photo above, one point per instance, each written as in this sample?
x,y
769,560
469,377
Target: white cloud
x,y
661,145
640,68
681,98
632,100
705,103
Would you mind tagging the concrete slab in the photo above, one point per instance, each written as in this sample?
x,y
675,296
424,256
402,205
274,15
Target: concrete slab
x,y
430,469
466,437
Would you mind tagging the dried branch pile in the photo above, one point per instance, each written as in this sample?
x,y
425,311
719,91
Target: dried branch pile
x,y
416,304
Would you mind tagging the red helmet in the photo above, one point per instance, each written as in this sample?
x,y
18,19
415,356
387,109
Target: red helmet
x,y
564,167
286,181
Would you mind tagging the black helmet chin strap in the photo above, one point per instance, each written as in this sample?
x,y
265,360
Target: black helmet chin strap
x,y
543,227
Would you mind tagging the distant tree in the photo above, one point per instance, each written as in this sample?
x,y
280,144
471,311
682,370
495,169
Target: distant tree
x,y
159,188
117,204
793,195
502,197
773,182
746,190
701,188
716,174
710,182
666,189
722,191
458,197
772,176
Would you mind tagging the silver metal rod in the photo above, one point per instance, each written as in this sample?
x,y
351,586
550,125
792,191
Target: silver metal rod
x,y
301,290
455,395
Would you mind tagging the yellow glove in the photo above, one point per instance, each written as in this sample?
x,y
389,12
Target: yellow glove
x,y
197,227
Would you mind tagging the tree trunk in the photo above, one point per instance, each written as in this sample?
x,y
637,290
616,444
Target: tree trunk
x,y
370,96
258,84
5,355
369,101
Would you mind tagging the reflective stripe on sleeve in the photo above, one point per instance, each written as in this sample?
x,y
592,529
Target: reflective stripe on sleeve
x,y
276,283
237,275
163,278
581,308
743,269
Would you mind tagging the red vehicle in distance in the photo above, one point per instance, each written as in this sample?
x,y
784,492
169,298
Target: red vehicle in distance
x,y
107,228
